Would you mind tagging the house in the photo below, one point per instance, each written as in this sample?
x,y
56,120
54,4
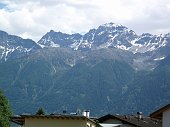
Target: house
x,y
127,121
53,121
162,114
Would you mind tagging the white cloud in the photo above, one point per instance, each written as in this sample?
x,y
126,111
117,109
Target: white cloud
x,y
32,19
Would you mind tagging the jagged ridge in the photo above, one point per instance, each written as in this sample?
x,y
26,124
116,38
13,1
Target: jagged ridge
x,y
105,36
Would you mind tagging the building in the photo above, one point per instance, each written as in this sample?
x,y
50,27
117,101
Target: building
x,y
53,121
128,121
162,114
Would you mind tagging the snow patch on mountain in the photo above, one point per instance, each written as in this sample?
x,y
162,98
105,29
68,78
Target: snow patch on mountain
x,y
123,47
76,45
161,58
52,44
6,52
41,45
1,47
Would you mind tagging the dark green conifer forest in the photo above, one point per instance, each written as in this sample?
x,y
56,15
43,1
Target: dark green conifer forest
x,y
5,111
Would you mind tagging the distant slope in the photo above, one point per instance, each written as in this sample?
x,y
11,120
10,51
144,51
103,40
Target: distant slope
x,y
97,88
150,90
53,83
63,79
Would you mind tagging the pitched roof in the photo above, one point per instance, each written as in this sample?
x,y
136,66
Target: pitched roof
x,y
158,113
132,120
21,118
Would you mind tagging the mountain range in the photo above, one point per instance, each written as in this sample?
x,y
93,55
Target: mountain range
x,y
109,69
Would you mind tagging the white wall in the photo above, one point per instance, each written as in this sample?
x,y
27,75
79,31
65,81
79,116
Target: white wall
x,y
166,118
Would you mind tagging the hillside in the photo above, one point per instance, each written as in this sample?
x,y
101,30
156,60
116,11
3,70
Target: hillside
x,y
110,69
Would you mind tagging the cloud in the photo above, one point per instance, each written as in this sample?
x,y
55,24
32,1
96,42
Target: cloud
x,y
32,19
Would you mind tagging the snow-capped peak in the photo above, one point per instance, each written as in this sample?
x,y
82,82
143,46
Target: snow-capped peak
x,y
112,25
106,36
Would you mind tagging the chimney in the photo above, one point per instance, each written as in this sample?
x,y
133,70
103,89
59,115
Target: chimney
x,y
79,112
86,113
139,115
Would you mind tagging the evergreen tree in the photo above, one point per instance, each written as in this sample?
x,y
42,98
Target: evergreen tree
x,y
5,111
40,112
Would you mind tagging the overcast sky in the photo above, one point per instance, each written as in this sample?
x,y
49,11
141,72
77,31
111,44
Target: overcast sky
x,y
34,18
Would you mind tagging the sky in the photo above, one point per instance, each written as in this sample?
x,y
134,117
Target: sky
x,y
34,18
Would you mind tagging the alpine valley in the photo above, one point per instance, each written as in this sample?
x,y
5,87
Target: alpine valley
x,y
110,69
